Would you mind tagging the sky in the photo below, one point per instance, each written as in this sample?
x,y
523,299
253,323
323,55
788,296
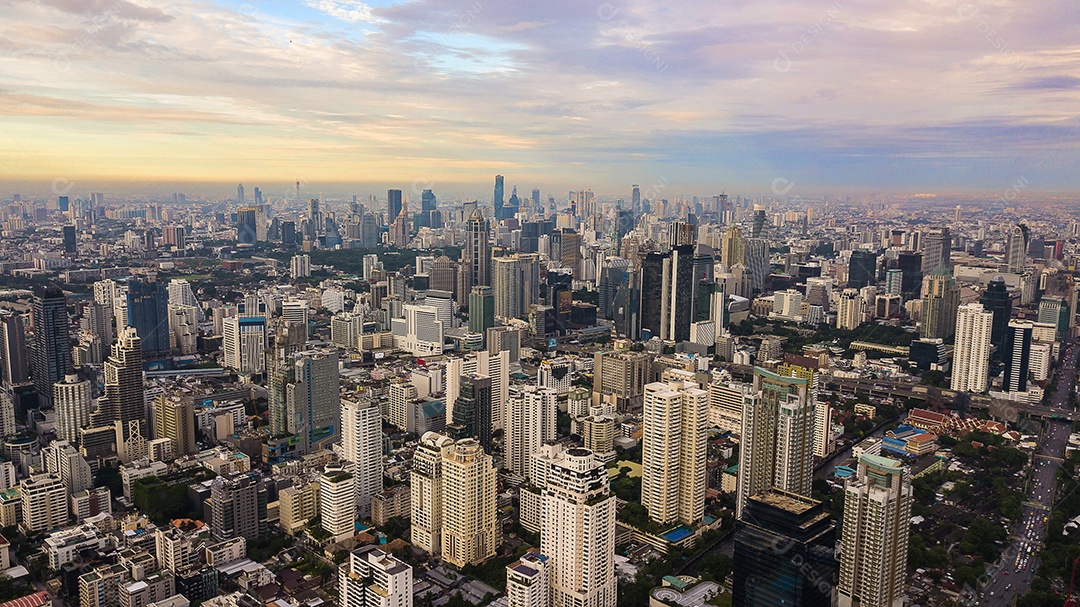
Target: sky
x,y
792,96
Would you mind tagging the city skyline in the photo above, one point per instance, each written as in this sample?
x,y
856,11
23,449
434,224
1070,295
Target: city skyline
x,y
785,98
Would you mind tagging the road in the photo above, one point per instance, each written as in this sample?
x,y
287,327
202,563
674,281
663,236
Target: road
x,y
1012,577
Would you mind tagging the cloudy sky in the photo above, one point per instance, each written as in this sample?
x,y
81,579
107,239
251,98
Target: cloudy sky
x,y
883,95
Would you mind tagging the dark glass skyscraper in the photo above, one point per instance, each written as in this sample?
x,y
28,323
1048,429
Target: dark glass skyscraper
x,y
784,545
50,358
1017,355
862,269
498,198
481,309
148,313
427,201
393,205
996,299
69,240
472,410
910,265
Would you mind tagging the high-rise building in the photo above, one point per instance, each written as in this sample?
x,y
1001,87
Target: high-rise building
x,y
50,357
941,297
496,366
238,507
373,578
667,293
937,251
426,482
470,527
183,328
849,310
247,227
874,536
476,256
498,200
300,266
244,344
910,265
777,437
1017,355
578,531
296,311
44,503
971,356
71,398
862,269
361,444
472,413
124,400
420,331
14,367
784,546
527,583
531,422
65,461
337,500
174,419
1016,246
673,452
759,221
481,309
313,398
393,205
619,378
894,281
516,284
997,300
148,313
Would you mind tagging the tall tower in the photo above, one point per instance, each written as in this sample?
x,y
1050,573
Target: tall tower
x,y
777,437
941,296
373,578
240,194
51,354
71,397
578,532
14,367
148,313
477,252
498,198
481,309
472,416
971,357
361,444
877,516
393,205
124,399
516,284
426,481
1016,246
1017,355
337,500
470,528
314,398
996,298
531,422
937,250
174,419
673,452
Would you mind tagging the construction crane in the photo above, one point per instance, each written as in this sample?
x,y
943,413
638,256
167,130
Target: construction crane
x,y
1071,601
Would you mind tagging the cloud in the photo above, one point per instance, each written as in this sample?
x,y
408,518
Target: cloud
x,y
349,11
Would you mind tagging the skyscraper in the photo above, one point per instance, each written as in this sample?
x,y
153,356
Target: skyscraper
x,y
472,413
784,546
481,310
1017,355
50,358
578,531
498,198
174,419
337,500
997,300
361,444
619,378
71,397
124,399
244,343
874,539
673,452
531,422
971,357
862,269
426,481
937,250
240,193
1016,246
476,255
238,507
14,367
393,205
496,366
516,284
314,398
470,527
148,313
527,583
941,297
777,437
667,293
